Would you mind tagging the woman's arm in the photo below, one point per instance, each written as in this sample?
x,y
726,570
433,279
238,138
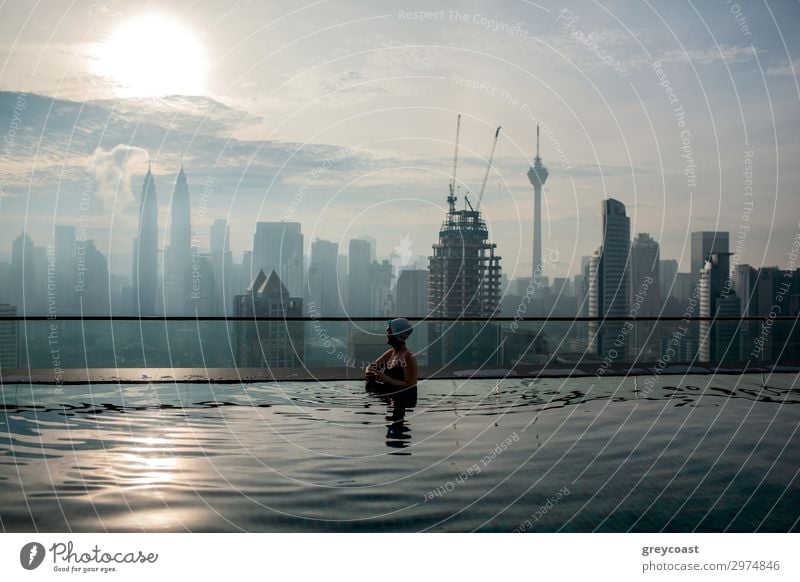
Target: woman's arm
x,y
409,371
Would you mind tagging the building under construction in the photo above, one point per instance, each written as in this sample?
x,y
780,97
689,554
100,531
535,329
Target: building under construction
x,y
464,278
464,281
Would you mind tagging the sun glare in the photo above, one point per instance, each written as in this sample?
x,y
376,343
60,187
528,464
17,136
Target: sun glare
x,y
153,55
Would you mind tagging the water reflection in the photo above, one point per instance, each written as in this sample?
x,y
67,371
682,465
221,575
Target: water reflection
x,y
398,431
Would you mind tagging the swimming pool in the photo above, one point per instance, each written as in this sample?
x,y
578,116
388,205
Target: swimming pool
x,y
693,453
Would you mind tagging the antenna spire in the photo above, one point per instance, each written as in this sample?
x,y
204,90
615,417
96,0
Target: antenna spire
x,y
537,140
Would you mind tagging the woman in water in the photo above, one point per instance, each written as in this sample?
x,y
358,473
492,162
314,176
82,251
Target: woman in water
x,y
396,369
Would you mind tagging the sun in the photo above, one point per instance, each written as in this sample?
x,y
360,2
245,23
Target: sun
x,y
153,55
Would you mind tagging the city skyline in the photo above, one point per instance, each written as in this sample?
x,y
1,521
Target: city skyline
x,y
340,148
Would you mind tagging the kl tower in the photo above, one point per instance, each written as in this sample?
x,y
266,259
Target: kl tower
x,y
537,175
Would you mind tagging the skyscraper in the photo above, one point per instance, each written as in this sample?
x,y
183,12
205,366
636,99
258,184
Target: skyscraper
x,y
8,338
322,281
65,268
608,272
145,263
412,293
268,343
719,340
645,288
22,273
667,273
220,236
278,246
358,283
178,263
537,175
704,243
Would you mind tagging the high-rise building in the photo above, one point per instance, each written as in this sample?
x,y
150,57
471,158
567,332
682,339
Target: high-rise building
x,y
64,296
704,243
145,260
645,288
268,344
359,299
381,299
278,246
718,340
608,276
667,272
22,272
537,175
323,284
220,236
464,274
412,293
91,279
8,338
178,257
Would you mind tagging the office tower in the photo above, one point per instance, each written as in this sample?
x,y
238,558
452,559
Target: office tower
x,y
6,282
22,265
537,175
358,284
64,296
381,300
608,276
8,338
373,246
220,236
145,263
278,246
562,287
745,282
667,273
203,300
645,287
704,243
683,288
718,339
343,279
268,343
178,256
412,293
91,279
322,279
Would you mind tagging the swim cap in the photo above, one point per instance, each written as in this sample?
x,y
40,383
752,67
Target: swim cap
x,y
401,328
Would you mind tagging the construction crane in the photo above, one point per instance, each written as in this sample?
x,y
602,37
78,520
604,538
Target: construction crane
x,y
452,198
488,167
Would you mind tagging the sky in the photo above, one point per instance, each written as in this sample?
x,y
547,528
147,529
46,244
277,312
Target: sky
x,y
341,115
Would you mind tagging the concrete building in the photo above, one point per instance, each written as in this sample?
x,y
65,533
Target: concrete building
x,y
359,299
323,283
268,344
278,246
645,286
704,243
412,293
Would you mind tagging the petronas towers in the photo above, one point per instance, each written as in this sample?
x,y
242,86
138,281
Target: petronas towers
x,y
174,296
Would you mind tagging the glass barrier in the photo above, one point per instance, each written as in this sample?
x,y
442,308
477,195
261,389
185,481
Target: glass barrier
x,y
442,347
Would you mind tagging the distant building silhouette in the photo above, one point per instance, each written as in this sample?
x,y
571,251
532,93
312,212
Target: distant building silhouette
x,y
278,246
178,256
704,243
268,343
145,259
719,340
608,277
323,284
645,287
412,293
8,338
359,301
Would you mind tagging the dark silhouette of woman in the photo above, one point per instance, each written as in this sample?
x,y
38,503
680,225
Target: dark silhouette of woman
x,y
393,377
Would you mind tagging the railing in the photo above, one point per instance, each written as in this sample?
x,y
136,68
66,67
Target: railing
x,y
44,348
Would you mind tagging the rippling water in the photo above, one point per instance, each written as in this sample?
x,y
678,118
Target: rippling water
x,y
698,453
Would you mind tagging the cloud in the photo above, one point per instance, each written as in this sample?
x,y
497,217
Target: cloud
x,y
786,70
112,170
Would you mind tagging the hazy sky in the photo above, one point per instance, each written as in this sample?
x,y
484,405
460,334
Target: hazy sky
x,y
341,115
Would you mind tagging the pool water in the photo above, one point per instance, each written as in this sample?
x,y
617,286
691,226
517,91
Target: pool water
x,y
691,453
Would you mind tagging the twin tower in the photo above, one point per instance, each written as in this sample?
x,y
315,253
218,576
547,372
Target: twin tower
x,y
177,280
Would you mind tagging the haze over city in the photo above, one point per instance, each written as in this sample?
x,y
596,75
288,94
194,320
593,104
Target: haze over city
x,y
667,119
